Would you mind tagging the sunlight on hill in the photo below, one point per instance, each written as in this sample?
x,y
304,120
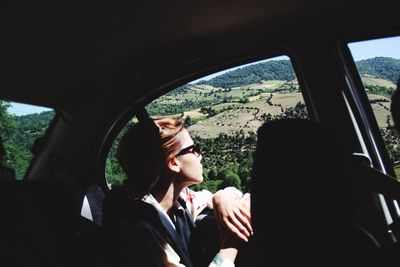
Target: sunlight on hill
x,y
268,84
248,117
381,108
370,80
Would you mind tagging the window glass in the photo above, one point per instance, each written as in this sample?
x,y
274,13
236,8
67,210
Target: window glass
x,y
378,63
223,112
20,125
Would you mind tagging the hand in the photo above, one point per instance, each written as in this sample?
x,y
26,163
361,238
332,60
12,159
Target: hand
x,y
246,202
233,213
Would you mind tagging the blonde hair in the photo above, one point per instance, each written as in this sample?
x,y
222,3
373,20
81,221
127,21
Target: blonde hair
x,y
169,129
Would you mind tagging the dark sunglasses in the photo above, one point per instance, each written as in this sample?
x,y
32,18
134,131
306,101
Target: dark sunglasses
x,y
195,149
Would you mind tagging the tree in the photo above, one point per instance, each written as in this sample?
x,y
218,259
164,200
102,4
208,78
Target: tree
x,y
188,122
230,179
7,131
7,123
212,174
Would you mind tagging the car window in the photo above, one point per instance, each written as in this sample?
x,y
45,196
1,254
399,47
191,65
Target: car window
x,y
223,112
20,126
378,63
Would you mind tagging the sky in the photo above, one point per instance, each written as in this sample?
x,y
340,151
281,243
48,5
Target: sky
x,y
19,109
386,47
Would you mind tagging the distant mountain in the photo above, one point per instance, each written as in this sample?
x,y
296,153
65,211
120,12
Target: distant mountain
x,y
386,68
271,70
380,67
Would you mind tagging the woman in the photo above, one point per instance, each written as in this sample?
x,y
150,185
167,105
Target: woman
x,y
156,208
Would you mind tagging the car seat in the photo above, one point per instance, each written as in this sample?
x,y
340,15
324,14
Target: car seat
x,y
302,197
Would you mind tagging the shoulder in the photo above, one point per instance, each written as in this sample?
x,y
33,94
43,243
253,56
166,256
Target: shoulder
x,y
119,206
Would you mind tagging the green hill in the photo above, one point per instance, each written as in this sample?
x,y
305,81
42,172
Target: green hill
x,y
380,67
253,74
385,68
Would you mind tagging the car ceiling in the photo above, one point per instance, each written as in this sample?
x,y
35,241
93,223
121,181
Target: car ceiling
x,y
68,54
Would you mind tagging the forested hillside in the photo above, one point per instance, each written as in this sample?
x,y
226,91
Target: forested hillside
x,y
271,70
19,133
380,67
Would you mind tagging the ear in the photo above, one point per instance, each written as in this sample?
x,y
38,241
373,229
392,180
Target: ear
x,y
173,165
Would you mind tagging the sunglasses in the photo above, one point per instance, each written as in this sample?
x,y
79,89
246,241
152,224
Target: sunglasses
x,y
195,149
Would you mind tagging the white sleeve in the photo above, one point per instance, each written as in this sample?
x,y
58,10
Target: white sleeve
x,y
234,190
196,201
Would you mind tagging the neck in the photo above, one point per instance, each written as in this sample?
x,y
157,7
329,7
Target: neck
x,y
167,195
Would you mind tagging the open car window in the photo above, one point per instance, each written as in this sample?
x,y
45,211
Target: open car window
x,y
20,126
223,112
378,64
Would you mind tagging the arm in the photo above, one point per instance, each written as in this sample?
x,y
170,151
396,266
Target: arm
x,y
230,243
228,209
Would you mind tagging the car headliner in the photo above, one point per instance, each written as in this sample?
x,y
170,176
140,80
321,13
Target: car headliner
x,y
71,54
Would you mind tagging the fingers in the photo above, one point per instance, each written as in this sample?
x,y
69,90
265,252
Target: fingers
x,y
233,228
245,211
236,223
245,220
240,222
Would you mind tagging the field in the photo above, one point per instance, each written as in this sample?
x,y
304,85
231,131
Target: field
x,y
370,80
381,110
244,116
241,108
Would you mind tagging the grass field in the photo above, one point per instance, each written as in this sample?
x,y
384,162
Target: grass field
x,y
397,172
369,80
244,116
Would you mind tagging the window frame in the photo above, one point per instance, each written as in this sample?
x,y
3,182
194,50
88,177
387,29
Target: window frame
x,y
370,132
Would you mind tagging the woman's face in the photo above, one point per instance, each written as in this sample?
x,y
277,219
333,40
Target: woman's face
x,y
189,162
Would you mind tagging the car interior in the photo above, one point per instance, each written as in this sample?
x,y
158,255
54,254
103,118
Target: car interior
x,y
96,64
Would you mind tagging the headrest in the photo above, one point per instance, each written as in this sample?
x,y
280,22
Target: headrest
x,y
299,165
292,148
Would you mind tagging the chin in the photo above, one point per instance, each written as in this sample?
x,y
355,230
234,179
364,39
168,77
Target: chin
x,y
199,180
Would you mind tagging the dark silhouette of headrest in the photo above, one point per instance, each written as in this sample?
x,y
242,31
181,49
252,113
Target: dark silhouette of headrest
x,y
299,160
301,187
